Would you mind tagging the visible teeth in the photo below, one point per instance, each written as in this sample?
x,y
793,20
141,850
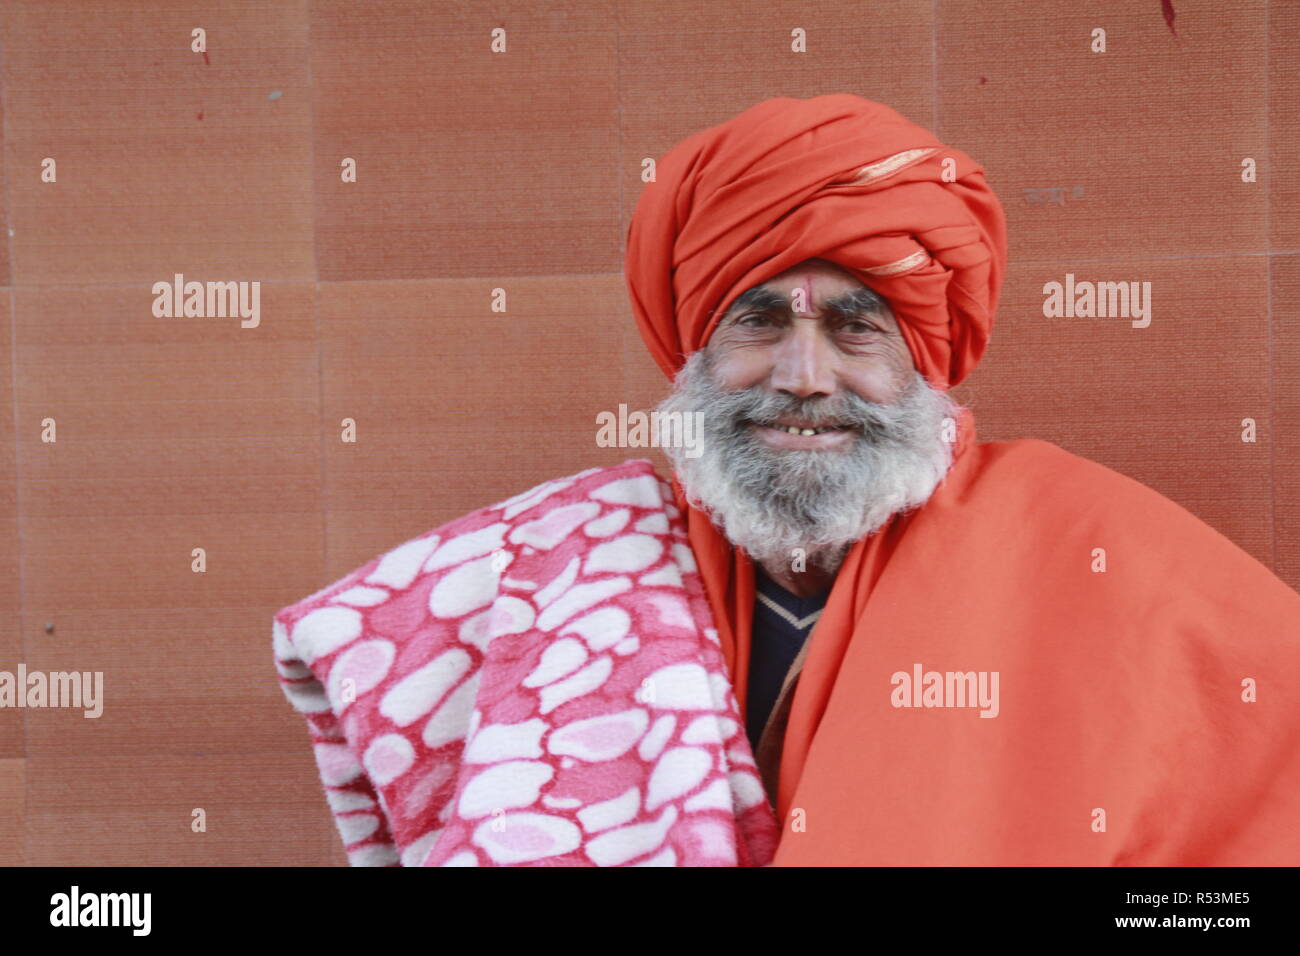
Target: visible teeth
x,y
796,430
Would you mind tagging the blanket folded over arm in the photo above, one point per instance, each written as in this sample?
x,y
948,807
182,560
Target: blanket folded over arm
x,y
537,683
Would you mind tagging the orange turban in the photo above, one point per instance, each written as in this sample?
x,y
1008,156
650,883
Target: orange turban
x,y
833,177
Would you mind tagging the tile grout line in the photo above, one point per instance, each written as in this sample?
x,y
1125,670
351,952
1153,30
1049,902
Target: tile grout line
x,y
934,66
620,159
1268,287
316,282
323,522
24,840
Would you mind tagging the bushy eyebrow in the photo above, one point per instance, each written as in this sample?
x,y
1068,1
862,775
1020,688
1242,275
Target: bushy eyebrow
x,y
849,305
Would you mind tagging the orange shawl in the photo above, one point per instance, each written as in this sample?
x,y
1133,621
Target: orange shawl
x,y
1149,669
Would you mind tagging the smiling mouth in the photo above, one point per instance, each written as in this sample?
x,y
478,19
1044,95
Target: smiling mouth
x,y
803,428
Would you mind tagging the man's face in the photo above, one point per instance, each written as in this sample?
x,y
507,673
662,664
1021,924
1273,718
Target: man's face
x,y
811,349
809,333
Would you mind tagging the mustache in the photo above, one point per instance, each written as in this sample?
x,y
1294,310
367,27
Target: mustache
x,y
731,412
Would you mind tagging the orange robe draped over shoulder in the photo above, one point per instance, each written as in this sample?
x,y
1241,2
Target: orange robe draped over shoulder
x,y
1127,635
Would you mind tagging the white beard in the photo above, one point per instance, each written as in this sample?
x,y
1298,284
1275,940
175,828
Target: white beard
x,y
778,503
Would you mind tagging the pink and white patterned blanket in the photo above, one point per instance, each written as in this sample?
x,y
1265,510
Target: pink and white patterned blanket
x,y
536,683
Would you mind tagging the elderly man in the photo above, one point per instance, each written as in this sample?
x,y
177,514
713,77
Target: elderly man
x,y
845,632
818,430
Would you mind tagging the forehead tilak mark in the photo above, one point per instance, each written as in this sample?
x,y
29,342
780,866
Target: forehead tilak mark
x,y
808,291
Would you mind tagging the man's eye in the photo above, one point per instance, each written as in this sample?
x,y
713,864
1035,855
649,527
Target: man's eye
x,y
858,326
754,320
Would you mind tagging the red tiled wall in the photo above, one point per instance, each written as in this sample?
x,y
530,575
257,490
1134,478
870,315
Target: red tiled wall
x,y
519,171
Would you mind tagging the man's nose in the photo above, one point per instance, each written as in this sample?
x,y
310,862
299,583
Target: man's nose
x,y
805,362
